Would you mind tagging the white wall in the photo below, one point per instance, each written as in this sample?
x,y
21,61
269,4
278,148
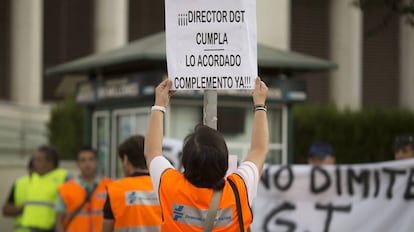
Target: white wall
x,y
183,119
346,52
273,23
22,129
111,24
407,66
26,51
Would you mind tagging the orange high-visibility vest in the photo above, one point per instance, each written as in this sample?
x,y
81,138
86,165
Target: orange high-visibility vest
x,y
185,206
89,218
134,204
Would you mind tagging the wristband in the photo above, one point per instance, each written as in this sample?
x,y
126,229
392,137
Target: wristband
x,y
160,108
260,107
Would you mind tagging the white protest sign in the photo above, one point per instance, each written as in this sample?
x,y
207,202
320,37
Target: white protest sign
x,y
211,44
343,198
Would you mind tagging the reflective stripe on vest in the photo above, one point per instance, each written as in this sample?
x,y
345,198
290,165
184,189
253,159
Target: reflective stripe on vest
x,y
195,217
19,228
42,194
134,204
185,206
90,217
41,203
138,229
87,213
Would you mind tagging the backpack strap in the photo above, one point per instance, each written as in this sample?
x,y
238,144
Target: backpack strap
x,y
238,204
79,208
212,210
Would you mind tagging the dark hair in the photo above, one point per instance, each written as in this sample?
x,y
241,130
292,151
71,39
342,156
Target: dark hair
x,y
87,149
403,140
30,164
51,154
205,158
133,148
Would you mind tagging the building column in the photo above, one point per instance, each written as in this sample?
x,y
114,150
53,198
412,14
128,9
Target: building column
x,y
273,23
111,24
406,84
26,51
346,51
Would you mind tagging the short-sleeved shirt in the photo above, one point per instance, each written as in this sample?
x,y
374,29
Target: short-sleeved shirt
x,y
107,210
247,170
10,199
60,204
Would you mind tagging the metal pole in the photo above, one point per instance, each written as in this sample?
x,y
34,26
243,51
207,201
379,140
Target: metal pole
x,y
210,109
290,133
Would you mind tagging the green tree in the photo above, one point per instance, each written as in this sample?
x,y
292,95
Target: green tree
x,y
66,128
357,137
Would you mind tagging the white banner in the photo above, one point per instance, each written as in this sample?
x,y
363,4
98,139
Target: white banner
x,y
345,198
211,44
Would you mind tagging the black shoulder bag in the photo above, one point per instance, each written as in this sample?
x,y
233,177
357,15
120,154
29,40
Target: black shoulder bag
x,y
79,208
238,205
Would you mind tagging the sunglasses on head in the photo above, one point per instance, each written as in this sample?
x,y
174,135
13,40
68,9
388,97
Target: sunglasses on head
x,y
404,139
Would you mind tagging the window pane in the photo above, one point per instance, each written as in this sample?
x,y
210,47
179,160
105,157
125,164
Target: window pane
x,y
125,128
102,143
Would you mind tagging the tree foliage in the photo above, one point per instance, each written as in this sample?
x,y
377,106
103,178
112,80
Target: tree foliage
x,y
392,8
66,128
357,137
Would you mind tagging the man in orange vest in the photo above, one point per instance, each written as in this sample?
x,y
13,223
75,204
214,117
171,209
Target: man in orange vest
x,y
80,200
132,204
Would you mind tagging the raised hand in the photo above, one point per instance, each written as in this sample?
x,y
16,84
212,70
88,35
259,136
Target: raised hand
x,y
260,92
163,93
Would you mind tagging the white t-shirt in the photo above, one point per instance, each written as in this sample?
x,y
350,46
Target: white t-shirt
x,y
247,170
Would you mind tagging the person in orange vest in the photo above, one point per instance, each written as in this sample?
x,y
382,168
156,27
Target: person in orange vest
x,y
132,204
201,198
81,200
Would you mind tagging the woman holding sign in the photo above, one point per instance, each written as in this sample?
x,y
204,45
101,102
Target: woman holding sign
x,y
201,198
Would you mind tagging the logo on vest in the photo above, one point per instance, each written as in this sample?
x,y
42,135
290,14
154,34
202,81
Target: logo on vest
x,y
141,198
178,212
131,198
101,195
